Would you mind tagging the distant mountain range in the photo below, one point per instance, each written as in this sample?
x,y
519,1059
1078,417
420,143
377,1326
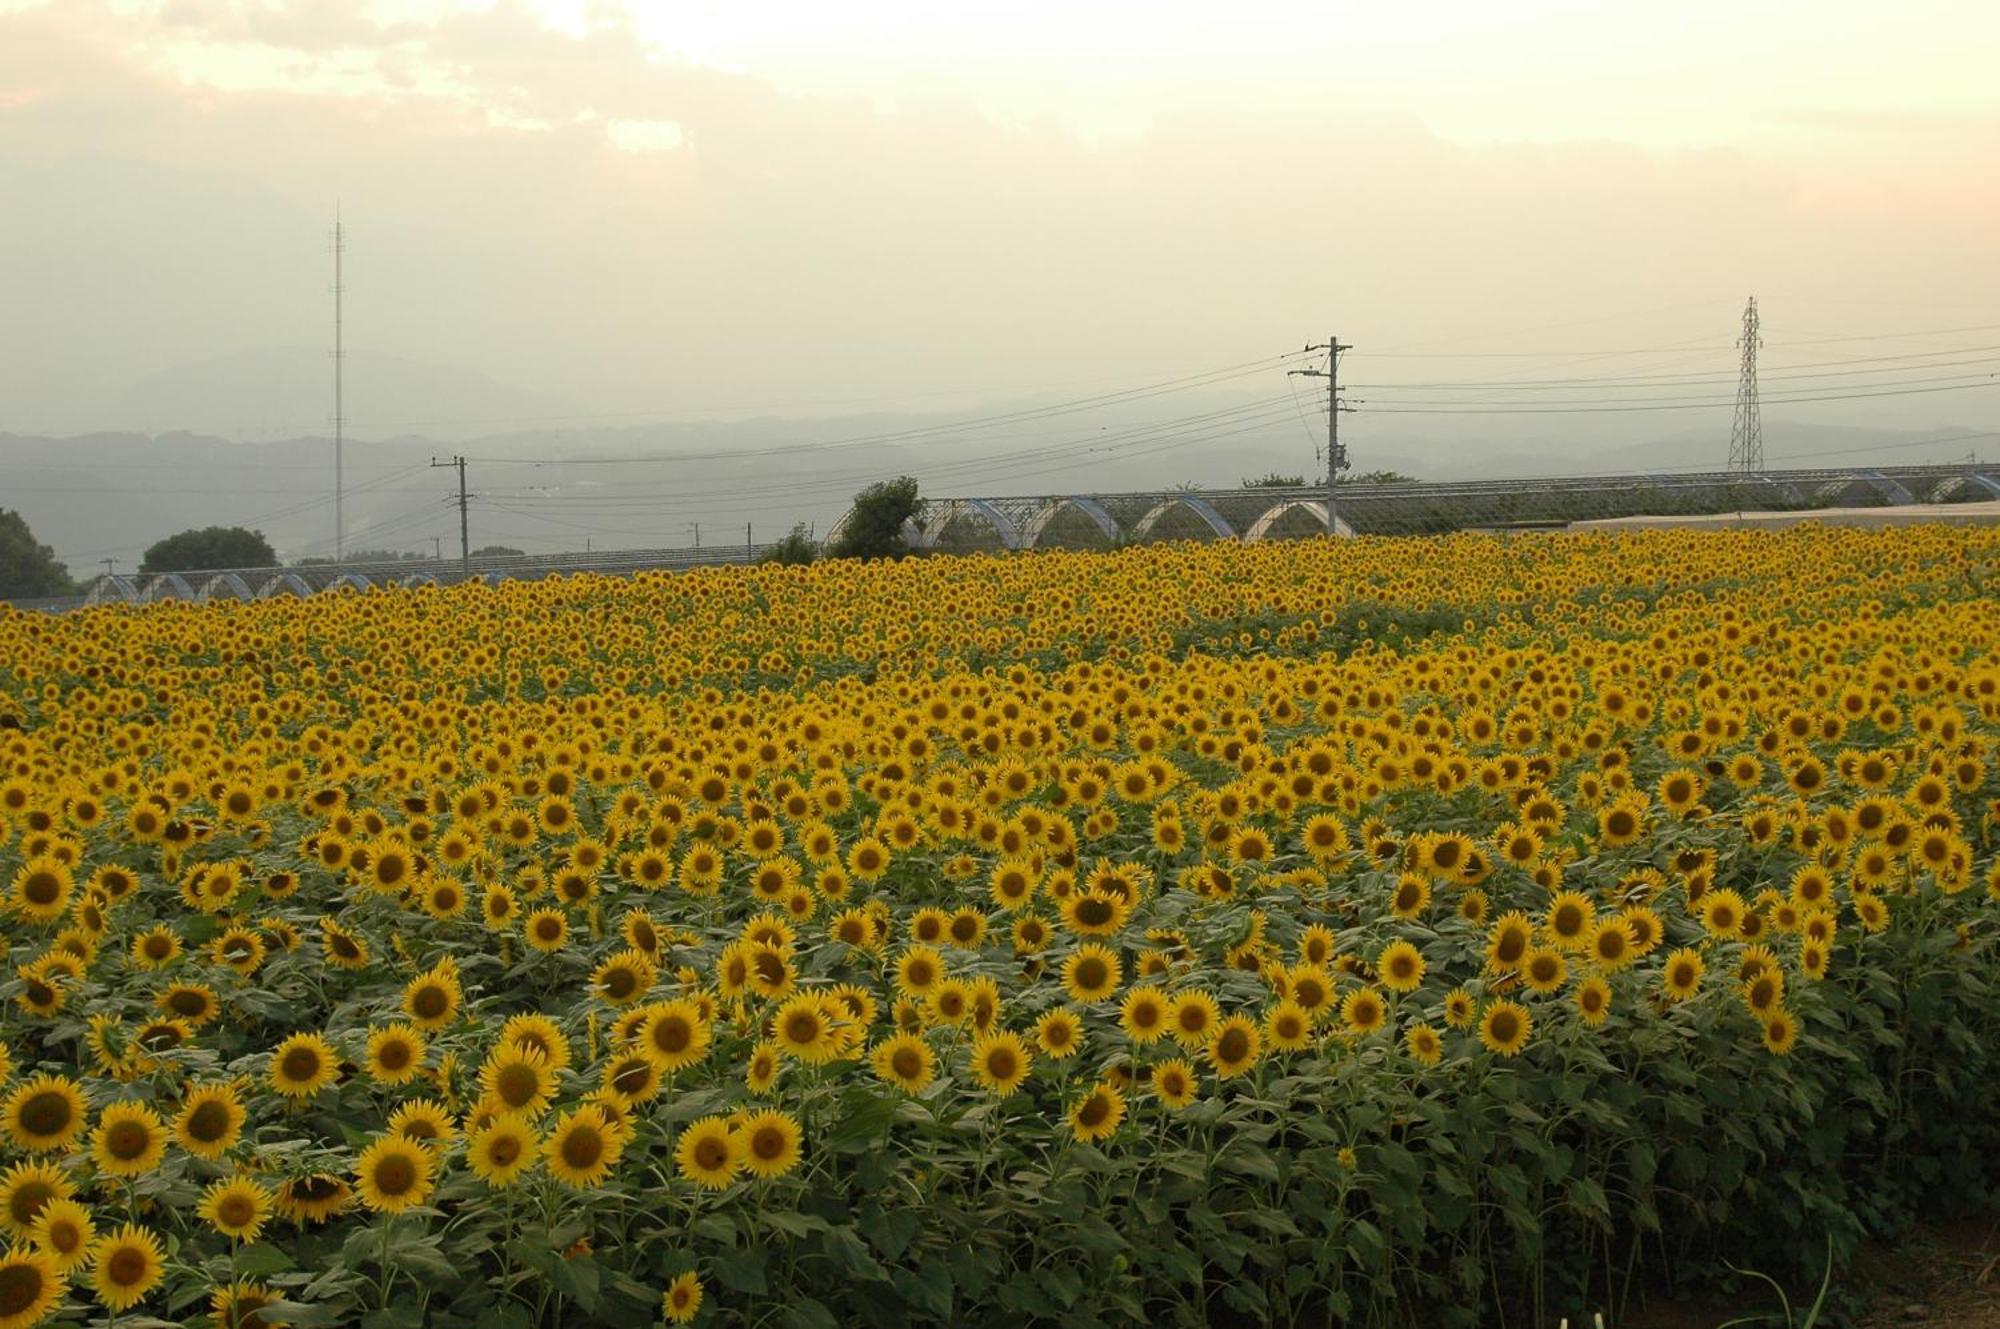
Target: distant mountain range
x,y
545,476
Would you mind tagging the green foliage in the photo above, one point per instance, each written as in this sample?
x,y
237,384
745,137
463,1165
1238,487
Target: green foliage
x,y
497,551
1378,478
795,550
1275,481
875,527
28,568
210,547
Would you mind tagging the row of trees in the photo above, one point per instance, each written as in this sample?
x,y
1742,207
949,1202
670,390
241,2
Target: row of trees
x,y
30,570
874,529
1277,481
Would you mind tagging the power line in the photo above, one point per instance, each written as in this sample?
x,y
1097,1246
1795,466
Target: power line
x,y
1504,408
1795,393
1693,380
916,432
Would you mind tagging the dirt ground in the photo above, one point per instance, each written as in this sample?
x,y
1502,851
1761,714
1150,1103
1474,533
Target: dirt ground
x,y
1948,1276
1944,1277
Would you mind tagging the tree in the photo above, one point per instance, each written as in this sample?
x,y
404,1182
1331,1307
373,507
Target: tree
x,y
795,550
499,551
1276,481
28,568
1380,478
875,527
208,548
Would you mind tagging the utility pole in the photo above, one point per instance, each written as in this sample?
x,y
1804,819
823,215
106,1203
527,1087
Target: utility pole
x,y
110,566
697,535
1336,455
339,411
464,531
437,549
1746,432
748,544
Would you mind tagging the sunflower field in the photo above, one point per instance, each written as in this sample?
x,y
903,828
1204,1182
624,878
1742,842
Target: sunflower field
x,y
1461,931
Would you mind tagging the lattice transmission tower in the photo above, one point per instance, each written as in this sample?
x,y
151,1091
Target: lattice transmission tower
x,y
1746,435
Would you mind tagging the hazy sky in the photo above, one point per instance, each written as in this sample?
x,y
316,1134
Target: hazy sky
x,y
688,207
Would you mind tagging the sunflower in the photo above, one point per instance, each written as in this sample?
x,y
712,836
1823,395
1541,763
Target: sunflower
x,y
1621,823
1288,1026
394,1174
1593,1000
155,948
546,929
1192,1017
236,1207
1646,929
41,889
1571,920
518,1079
1544,970
242,1304
1681,976
1092,973
343,950
1234,1046
770,1143
537,1033
1611,946
45,1114
1781,1030
1505,1026
125,1266
707,1153
424,1120
1097,1114
1401,966
1143,1014
194,1002
1508,941
681,1302
210,1120
583,1147
25,1190
1175,1083
906,1061
395,1054
1059,1034
624,978
502,1151
1095,914
64,1231
313,1198
1363,1011
1722,913
1424,1045
918,970
806,1029
1001,1061
30,1286
632,1078
1763,990
302,1065
130,1140
432,998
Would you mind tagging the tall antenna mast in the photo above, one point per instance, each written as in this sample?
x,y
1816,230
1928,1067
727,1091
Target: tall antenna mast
x,y
339,414
1746,434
